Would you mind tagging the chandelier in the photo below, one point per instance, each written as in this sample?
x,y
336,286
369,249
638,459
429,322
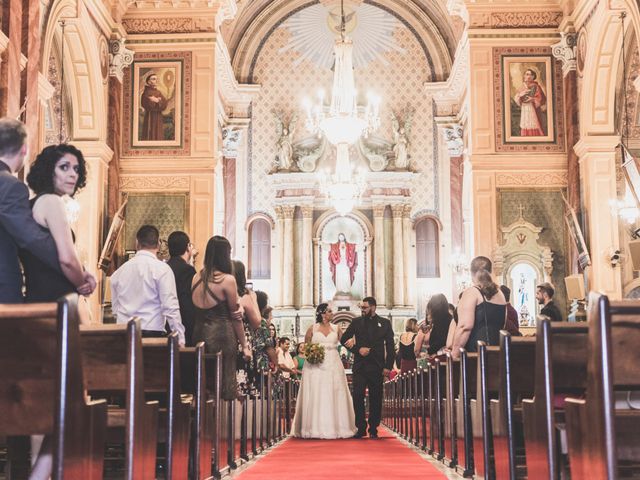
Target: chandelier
x,y
343,122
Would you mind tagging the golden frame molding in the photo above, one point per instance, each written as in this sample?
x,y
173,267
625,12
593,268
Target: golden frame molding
x,y
158,183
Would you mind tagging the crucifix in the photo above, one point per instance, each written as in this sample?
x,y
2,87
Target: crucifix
x,y
521,209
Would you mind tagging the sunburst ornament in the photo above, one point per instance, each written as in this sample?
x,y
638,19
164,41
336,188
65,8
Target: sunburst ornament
x,y
314,29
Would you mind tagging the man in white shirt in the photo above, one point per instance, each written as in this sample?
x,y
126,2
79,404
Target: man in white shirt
x,y
144,287
285,361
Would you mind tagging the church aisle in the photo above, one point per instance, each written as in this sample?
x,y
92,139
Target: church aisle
x,y
386,457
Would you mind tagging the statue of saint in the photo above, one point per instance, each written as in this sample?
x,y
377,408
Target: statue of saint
x,y
285,133
343,261
401,132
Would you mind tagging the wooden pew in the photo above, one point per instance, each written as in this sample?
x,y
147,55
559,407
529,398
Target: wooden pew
x,y
517,358
193,380
560,370
439,383
161,359
464,430
213,366
452,392
604,441
41,386
487,387
112,359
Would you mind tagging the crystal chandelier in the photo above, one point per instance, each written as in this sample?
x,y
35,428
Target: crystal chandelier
x,y
343,122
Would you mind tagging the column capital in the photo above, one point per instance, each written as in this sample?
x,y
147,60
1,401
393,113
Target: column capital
x,y
307,211
285,211
120,57
397,210
407,210
378,210
565,50
231,140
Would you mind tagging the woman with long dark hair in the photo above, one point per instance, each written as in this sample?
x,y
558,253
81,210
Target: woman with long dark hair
x,y
219,317
482,310
438,321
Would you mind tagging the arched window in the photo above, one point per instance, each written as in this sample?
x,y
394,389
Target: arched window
x,y
259,249
427,251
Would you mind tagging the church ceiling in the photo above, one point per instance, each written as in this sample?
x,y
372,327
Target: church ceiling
x,y
312,21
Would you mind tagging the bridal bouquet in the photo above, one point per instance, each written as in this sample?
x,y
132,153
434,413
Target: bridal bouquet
x,y
314,353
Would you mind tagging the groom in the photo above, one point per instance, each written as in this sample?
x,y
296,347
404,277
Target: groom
x,y
374,354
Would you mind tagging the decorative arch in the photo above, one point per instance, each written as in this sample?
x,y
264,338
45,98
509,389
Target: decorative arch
x,y
597,102
430,26
256,215
81,56
358,216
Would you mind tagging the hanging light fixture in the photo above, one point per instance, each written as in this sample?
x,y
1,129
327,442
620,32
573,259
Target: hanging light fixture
x,y
343,122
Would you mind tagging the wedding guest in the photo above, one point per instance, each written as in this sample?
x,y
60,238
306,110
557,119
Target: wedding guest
x,y
251,321
218,314
285,361
263,345
182,253
481,311
438,319
17,225
511,324
544,296
145,288
58,171
406,346
299,358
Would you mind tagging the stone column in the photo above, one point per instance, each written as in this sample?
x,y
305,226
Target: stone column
x,y
598,177
307,256
408,251
378,253
90,219
398,256
278,272
10,75
286,250
316,268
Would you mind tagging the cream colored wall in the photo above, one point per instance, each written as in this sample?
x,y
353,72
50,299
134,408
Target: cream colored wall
x,y
192,174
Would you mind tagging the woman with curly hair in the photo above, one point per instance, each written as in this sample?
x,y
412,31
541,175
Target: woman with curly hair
x,y
57,171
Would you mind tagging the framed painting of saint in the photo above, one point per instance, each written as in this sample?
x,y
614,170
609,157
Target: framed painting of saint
x,y
157,90
157,107
528,100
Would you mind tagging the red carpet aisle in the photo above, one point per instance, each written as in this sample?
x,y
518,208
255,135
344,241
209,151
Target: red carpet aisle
x,y
363,459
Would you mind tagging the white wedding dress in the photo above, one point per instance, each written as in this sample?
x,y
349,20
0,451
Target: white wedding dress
x,y
324,408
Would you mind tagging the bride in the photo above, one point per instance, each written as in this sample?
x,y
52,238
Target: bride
x,y
324,408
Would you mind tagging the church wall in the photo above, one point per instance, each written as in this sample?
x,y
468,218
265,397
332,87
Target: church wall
x,y
187,169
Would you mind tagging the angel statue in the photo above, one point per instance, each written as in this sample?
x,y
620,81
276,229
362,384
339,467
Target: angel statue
x,y
284,157
401,132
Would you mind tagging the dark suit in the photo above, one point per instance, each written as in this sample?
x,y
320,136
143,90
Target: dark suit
x,y
551,311
377,334
19,229
184,276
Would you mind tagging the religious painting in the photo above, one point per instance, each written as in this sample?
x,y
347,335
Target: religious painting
x,y
528,93
157,88
157,108
342,260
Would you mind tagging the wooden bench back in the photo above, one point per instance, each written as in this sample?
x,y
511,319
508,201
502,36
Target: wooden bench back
x,y
614,356
517,363
39,354
161,360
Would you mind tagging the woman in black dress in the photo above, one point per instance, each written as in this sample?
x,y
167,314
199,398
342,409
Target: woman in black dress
x,y
58,171
482,310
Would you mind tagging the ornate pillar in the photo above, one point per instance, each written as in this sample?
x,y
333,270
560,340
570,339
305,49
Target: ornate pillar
x,y
10,74
408,250
90,219
316,269
306,257
398,255
378,246
278,271
287,257
598,174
